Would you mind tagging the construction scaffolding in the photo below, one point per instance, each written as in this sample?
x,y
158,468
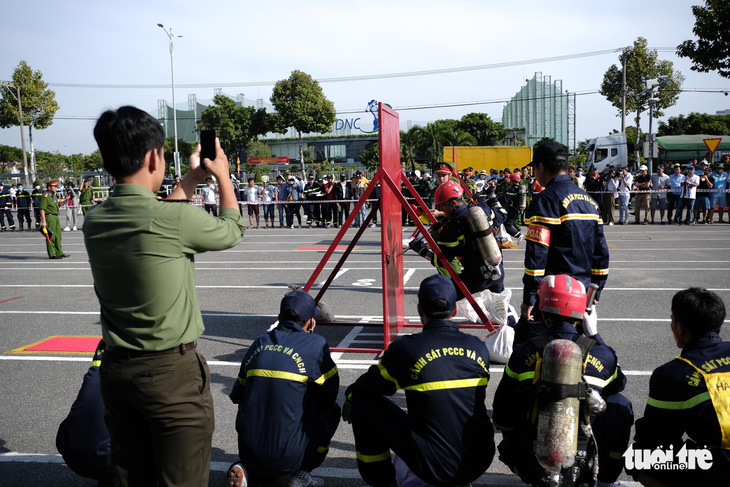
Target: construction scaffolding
x,y
542,108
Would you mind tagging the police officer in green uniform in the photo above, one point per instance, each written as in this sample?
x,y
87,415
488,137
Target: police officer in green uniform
x,y
86,196
49,219
155,385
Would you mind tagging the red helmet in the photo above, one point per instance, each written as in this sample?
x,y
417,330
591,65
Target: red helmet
x,y
447,191
562,295
515,176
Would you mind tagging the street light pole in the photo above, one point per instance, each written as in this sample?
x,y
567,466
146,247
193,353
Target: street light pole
x,y
174,111
650,159
22,133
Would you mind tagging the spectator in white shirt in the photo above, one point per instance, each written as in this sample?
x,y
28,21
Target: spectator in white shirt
x,y
659,183
625,181
687,200
252,196
209,200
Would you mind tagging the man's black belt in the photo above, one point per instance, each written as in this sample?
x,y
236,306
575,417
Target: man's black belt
x,y
124,352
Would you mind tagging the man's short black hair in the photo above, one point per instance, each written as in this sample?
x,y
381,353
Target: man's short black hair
x,y
437,309
251,179
124,137
699,310
291,315
552,156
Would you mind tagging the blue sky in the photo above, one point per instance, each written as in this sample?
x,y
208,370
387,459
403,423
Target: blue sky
x,y
119,43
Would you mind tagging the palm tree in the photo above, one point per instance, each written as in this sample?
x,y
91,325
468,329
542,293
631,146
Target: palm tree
x,y
407,146
457,138
428,142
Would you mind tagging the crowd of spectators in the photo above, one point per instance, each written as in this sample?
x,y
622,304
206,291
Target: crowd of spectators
x,y
688,194
324,202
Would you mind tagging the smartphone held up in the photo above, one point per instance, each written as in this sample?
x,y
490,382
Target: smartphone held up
x,y
207,146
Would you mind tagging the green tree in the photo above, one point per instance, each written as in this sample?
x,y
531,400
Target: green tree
x,y
235,125
429,141
300,103
642,64
38,102
370,157
76,164
711,51
695,123
256,148
408,146
94,161
456,137
484,130
184,148
10,154
52,164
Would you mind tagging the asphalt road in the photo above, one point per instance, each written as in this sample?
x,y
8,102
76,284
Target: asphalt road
x,y
239,292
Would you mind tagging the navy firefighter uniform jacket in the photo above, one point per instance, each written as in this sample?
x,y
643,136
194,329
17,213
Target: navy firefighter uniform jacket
x,y
680,403
286,382
511,401
564,236
463,254
513,415
444,373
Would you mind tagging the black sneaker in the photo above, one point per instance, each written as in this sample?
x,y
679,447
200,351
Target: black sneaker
x,y
304,479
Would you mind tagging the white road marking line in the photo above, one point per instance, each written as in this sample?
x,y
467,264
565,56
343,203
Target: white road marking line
x,y
350,337
319,286
408,275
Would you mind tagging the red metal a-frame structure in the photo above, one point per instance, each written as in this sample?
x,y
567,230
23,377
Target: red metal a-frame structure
x,y
390,204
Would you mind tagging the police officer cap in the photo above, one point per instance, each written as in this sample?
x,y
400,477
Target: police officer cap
x,y
443,166
301,303
436,287
311,176
342,175
548,151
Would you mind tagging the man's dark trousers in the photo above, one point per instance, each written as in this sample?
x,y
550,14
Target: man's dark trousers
x,y
159,411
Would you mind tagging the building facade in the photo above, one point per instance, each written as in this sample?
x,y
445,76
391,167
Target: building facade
x,y
542,108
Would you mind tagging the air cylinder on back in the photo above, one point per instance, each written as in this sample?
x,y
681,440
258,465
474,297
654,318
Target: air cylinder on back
x,y
556,443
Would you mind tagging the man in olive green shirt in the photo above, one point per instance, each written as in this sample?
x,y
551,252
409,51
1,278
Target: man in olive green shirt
x,y
49,220
86,196
156,387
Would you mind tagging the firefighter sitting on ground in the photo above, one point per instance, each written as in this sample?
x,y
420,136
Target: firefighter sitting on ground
x,y
445,437
563,305
83,438
286,392
687,408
